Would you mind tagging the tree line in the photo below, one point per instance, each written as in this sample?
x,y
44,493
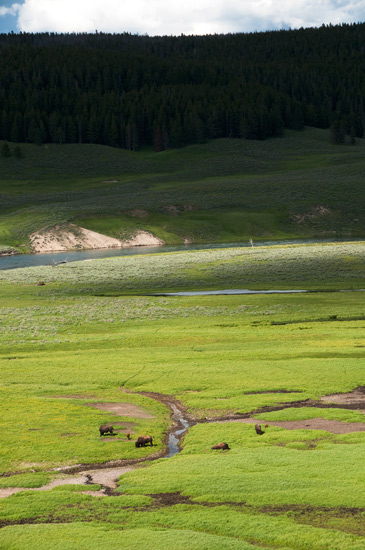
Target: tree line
x,y
129,91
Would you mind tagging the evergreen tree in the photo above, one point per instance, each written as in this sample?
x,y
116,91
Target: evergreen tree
x,y
158,140
177,133
16,132
352,136
118,89
131,136
5,150
4,126
93,128
111,132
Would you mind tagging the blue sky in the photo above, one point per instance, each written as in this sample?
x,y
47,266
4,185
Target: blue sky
x,y
8,22
174,17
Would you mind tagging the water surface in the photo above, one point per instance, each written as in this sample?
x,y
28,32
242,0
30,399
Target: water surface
x,y
54,258
229,291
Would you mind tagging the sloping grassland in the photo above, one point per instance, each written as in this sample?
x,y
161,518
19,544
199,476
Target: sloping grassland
x,y
300,185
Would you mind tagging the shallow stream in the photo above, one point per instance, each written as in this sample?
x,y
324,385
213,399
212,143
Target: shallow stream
x,y
106,475
181,425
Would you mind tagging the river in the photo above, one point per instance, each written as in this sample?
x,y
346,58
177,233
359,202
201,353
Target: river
x,y
53,258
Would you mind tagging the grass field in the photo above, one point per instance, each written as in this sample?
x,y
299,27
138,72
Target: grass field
x,y
90,334
224,191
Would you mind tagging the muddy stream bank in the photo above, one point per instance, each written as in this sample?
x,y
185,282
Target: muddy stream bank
x,y
107,474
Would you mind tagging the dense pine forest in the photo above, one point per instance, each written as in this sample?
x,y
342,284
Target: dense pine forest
x,y
130,91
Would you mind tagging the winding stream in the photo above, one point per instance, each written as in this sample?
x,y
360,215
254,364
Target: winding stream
x,y
175,436
107,474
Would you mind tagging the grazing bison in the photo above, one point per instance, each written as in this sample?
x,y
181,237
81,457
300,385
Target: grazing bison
x,y
258,429
128,435
223,446
143,440
106,428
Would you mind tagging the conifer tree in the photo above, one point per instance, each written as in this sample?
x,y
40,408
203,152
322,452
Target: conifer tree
x,y
5,150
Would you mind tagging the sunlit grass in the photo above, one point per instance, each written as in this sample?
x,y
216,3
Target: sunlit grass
x,y
66,344
329,266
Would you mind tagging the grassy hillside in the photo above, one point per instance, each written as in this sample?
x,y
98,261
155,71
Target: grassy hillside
x,y
223,191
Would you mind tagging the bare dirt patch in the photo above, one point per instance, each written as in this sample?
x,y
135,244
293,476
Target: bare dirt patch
x,y
356,397
123,409
107,478
354,400
332,426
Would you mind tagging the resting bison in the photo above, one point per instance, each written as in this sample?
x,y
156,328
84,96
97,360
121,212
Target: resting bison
x,y
106,428
258,429
143,440
223,446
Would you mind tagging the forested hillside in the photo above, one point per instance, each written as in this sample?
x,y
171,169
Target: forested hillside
x,y
129,91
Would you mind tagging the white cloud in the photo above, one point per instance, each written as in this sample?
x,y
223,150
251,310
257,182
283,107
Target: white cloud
x,y
173,17
9,10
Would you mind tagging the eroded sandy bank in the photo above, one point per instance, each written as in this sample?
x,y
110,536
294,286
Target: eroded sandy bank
x,y
71,237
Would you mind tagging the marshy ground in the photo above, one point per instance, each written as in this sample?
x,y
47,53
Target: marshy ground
x,y
107,475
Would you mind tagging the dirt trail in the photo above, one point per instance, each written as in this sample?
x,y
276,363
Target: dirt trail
x,y
332,426
107,478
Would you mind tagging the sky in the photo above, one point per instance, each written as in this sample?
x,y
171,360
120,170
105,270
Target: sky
x,y
174,17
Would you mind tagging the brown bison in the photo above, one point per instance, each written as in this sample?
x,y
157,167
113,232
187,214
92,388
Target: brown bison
x,y
143,440
258,429
223,446
106,428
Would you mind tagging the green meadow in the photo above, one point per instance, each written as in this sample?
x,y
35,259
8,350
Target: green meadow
x,y
94,333
226,190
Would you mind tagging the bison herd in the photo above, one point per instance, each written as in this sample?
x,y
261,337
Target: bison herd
x,y
143,440
225,446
